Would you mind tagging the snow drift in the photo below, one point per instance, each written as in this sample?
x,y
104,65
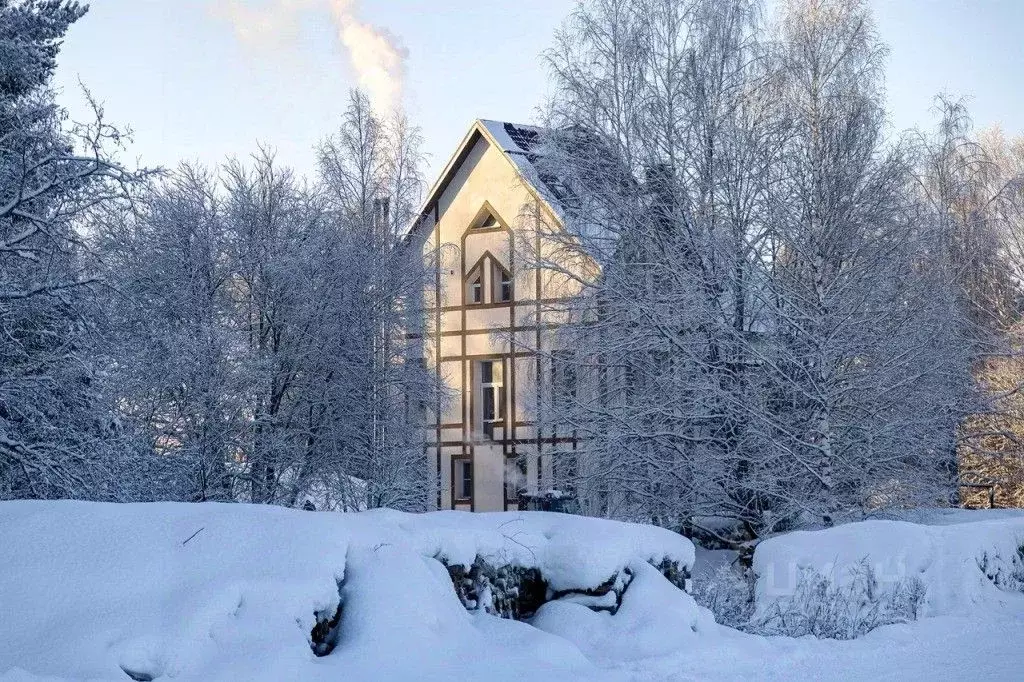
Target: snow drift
x,y
230,592
963,560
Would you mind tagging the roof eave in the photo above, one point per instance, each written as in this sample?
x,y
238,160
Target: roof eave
x,y
450,169
456,160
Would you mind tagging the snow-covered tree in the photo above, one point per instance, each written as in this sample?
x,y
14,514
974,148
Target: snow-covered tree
x,y
54,425
667,134
867,357
370,175
771,334
261,321
173,330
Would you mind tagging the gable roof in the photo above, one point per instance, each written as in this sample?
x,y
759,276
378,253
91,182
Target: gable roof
x,y
521,145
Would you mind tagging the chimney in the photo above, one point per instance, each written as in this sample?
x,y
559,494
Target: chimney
x,y
381,215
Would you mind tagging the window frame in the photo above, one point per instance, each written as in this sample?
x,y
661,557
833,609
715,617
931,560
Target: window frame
x,y
475,287
564,378
492,392
463,483
501,278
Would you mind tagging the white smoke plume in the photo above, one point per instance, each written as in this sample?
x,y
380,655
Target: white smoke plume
x,y
376,56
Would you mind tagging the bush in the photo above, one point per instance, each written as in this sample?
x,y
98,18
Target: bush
x,y
825,610
817,607
728,594
1006,575
517,592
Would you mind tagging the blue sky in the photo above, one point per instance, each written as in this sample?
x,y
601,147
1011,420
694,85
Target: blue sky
x,y
190,89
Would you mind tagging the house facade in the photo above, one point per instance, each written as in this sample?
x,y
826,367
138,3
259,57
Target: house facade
x,y
489,325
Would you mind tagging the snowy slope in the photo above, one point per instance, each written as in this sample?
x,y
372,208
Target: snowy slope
x,y
229,592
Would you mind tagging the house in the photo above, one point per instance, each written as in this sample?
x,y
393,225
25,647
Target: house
x,y
488,318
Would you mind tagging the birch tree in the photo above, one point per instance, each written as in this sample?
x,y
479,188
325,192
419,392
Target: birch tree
x,y
369,170
670,134
771,335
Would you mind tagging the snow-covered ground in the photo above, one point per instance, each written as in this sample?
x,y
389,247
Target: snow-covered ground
x,y
231,592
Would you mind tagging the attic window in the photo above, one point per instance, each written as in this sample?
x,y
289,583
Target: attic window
x,y
485,220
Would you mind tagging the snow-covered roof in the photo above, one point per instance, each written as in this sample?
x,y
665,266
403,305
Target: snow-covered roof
x,y
522,145
525,145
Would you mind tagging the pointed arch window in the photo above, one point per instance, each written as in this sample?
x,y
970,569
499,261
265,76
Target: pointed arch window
x,y
486,219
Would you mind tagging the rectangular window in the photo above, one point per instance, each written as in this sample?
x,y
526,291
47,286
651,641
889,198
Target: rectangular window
x,y
501,282
476,291
506,287
563,378
491,393
489,406
464,476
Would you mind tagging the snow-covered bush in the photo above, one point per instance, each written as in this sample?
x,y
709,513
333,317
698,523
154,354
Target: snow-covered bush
x,y
889,570
728,594
824,609
817,606
1005,573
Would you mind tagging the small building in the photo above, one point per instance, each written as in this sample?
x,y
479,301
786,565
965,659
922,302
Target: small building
x,y
489,323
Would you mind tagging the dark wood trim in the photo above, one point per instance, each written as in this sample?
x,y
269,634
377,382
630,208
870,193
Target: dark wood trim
x,y
490,330
437,347
513,387
551,440
484,306
483,356
467,449
538,296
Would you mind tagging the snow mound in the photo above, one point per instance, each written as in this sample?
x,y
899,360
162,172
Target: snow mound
x,y
651,609
231,592
571,552
963,564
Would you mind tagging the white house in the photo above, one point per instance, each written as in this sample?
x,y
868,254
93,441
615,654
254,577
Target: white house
x,y
487,318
